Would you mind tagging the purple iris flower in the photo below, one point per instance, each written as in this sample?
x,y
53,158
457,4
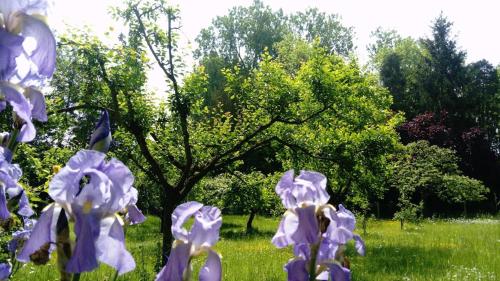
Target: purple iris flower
x,y
315,228
92,191
38,53
100,139
10,48
21,235
9,188
133,215
27,106
198,240
5,270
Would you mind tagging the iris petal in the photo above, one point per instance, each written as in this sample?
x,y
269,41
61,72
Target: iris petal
x,y
44,56
37,101
84,255
339,273
41,235
205,230
176,264
359,244
318,180
10,48
297,270
24,206
308,229
212,269
181,214
341,235
286,228
111,246
22,108
4,211
101,137
284,190
134,215
5,270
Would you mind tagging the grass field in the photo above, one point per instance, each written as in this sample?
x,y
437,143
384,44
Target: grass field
x,y
434,250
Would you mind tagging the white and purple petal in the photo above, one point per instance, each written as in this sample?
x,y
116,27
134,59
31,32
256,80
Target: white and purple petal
x,y
5,271
318,181
297,270
87,229
288,225
180,215
24,206
134,215
100,139
359,244
307,230
339,273
111,246
37,102
43,233
44,55
284,190
205,229
10,48
4,211
177,263
345,218
212,269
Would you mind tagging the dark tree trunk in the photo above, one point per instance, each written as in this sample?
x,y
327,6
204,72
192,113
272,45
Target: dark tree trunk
x,y
378,209
166,224
250,220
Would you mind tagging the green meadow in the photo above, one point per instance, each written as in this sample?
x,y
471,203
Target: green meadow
x,y
432,250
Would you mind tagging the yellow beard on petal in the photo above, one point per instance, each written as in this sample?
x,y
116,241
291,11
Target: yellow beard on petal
x,y
87,207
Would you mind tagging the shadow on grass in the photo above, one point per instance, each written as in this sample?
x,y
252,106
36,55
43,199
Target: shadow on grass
x,y
237,233
228,225
403,261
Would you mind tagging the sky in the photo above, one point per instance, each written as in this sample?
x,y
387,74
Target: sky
x,y
475,26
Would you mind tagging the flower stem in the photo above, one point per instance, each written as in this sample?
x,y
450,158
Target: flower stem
x,y
188,272
11,145
312,263
115,276
76,277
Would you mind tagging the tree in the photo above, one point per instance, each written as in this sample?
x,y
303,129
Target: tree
x,y
460,189
181,141
423,171
242,36
447,102
444,81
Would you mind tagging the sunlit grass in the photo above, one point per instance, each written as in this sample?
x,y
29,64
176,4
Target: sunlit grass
x,y
434,250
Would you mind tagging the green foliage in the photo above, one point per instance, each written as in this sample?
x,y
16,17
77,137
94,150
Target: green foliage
x,y
239,193
423,170
461,189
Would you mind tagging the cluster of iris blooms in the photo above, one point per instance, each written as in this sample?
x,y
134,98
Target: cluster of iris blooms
x,y
98,196
316,230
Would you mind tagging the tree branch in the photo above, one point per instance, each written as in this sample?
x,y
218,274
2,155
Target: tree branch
x,y
132,127
77,107
181,106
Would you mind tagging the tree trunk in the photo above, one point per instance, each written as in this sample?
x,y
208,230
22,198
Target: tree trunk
x,y
171,202
465,209
250,220
378,209
364,223
402,223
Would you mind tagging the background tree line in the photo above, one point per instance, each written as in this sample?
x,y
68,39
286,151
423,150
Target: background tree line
x,y
272,92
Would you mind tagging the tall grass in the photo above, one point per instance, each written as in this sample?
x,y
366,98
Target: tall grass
x,y
433,250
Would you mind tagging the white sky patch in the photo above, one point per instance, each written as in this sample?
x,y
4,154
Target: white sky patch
x,y
475,22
